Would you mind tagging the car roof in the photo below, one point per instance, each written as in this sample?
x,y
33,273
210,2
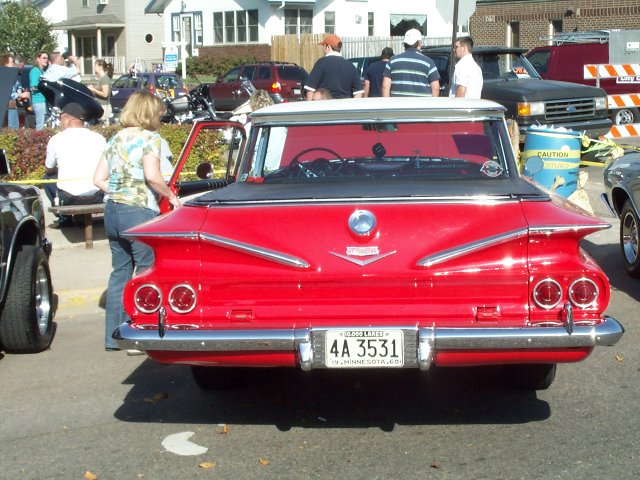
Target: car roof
x,y
477,50
378,110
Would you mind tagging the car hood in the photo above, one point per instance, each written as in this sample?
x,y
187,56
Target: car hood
x,y
532,90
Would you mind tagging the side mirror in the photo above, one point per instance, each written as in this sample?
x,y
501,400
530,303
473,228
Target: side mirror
x,y
204,171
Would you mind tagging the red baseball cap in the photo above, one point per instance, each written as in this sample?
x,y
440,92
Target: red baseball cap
x,y
331,40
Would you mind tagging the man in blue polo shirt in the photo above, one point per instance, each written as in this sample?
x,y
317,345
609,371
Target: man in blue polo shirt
x,y
334,73
411,74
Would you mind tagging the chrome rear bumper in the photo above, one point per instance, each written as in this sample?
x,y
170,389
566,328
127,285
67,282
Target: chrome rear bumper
x,y
420,343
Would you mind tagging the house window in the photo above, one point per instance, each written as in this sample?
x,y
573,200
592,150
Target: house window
x,y
85,3
370,24
330,22
297,21
197,29
514,34
464,28
239,26
556,26
401,23
175,28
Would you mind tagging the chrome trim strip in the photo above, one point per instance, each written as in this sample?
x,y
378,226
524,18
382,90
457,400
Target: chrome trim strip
x,y
264,253
176,235
551,229
465,249
480,199
607,332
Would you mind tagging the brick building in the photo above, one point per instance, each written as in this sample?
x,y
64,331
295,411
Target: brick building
x,y
522,22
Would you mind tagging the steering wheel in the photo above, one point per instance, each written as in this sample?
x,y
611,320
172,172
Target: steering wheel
x,y
318,168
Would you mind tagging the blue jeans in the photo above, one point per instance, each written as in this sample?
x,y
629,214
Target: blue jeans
x,y
126,254
40,111
12,118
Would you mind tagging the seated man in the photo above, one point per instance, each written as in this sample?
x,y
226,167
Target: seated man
x,y
74,154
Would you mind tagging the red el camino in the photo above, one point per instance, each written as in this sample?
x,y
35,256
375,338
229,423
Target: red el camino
x,y
371,234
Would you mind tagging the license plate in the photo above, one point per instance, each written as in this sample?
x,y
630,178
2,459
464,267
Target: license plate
x,y
296,91
366,348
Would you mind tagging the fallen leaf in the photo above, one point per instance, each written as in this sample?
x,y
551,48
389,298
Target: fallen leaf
x,y
435,465
149,400
619,359
264,461
161,396
90,476
140,475
224,430
207,465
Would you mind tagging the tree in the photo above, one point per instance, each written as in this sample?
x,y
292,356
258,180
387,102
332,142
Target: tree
x,y
24,30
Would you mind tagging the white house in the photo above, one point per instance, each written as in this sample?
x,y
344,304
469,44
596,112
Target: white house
x,y
208,23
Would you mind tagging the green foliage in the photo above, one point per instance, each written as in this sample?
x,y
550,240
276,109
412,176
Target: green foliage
x,y
23,30
26,148
213,66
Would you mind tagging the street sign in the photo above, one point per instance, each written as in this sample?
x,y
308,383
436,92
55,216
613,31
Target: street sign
x,y
465,10
171,58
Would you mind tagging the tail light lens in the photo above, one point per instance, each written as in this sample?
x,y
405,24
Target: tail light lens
x,y
148,298
276,87
182,298
583,292
547,293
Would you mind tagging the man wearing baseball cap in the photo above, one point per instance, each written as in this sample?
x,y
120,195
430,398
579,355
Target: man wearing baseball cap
x,y
375,73
410,73
74,154
334,73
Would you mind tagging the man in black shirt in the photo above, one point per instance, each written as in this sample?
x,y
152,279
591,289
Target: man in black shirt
x,y
374,74
334,73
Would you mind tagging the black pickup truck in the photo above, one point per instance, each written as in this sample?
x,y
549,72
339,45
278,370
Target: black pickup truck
x,y
26,293
512,81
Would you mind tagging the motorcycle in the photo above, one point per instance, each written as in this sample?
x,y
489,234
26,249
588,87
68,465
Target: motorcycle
x,y
195,105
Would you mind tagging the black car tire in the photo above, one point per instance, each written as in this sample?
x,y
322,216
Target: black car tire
x,y
535,376
218,378
629,239
27,316
624,116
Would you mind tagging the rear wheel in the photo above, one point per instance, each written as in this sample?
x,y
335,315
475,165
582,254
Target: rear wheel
x,y
27,316
536,376
629,239
218,378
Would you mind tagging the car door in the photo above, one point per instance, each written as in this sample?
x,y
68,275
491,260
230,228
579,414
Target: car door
x,y
121,90
222,90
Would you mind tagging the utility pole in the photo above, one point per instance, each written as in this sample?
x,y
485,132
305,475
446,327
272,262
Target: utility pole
x,y
453,39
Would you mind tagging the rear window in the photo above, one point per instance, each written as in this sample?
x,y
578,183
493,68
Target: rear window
x,y
168,81
292,73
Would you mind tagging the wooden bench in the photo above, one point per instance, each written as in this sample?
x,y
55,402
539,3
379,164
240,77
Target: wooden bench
x,y
87,212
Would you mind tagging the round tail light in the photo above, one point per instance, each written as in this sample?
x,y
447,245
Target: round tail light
x,y
148,298
182,298
547,293
583,292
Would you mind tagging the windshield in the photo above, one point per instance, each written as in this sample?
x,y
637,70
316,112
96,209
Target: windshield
x,y
505,65
461,150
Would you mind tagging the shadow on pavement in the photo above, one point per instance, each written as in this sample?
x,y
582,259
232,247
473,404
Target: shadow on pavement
x,y
290,398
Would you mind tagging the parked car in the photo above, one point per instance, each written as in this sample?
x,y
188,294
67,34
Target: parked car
x,y
566,62
167,84
622,196
278,78
26,292
397,235
512,81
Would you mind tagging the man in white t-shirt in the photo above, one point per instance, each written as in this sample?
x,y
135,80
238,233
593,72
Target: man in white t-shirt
x,y
57,69
74,154
467,76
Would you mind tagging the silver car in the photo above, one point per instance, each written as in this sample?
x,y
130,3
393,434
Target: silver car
x,y
622,196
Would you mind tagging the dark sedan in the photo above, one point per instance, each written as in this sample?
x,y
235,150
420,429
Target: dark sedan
x,y
164,83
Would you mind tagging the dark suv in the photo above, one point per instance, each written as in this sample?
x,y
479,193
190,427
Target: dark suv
x,y
166,83
285,79
512,81
26,294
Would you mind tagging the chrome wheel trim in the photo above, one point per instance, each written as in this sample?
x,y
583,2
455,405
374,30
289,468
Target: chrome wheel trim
x,y
629,238
624,116
42,299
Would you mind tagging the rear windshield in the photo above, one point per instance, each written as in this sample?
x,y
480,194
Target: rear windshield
x,y
462,150
292,73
